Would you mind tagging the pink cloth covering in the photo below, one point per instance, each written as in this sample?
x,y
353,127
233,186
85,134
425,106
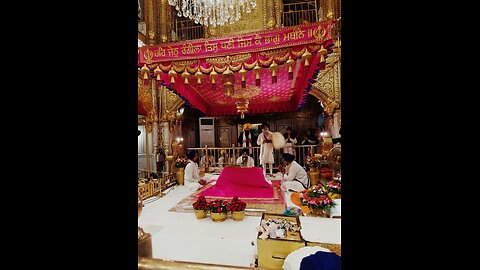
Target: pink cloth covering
x,y
241,182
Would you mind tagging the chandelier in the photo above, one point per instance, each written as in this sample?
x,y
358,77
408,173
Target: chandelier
x,y
213,12
241,96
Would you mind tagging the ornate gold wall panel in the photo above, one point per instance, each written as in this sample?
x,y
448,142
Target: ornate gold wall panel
x,y
145,94
327,88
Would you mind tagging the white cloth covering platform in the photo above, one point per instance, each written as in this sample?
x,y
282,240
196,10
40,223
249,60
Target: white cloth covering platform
x,y
321,230
182,237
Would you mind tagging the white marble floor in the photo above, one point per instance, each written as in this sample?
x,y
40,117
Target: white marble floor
x,y
182,237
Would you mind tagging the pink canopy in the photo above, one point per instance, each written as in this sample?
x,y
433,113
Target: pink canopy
x,y
301,49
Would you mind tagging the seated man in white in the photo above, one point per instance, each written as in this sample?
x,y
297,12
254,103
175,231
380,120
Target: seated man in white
x,y
296,178
245,161
203,160
192,174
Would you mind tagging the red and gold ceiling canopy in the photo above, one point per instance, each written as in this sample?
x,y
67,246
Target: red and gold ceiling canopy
x,y
271,70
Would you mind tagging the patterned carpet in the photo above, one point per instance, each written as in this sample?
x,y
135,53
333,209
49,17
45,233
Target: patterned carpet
x,y
273,205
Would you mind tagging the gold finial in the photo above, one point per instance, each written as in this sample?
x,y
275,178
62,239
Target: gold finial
x,y
306,55
213,75
257,69
199,75
172,75
185,75
157,72
146,72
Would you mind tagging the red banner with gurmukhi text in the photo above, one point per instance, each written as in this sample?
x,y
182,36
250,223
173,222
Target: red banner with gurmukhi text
x,y
251,42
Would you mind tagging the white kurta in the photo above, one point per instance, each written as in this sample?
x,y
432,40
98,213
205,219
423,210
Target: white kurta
x,y
295,171
203,161
266,149
250,162
289,146
192,176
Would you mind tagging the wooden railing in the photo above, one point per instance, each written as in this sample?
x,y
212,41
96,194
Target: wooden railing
x,y
155,187
232,153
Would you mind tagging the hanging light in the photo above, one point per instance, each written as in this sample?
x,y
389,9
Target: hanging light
x,y
242,106
213,13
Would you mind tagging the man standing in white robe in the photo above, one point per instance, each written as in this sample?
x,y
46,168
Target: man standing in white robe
x,y
245,161
266,148
192,173
246,138
296,178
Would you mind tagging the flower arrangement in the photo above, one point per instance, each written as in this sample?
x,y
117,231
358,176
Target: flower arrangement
x,y
181,162
218,206
316,197
201,204
313,162
334,189
236,205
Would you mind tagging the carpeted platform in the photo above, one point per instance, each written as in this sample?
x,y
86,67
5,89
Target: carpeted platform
x,y
276,204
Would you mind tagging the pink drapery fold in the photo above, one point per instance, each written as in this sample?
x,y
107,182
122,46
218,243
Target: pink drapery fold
x,y
241,182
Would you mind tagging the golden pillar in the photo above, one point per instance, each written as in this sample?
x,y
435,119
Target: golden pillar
x,y
270,11
150,21
165,24
330,9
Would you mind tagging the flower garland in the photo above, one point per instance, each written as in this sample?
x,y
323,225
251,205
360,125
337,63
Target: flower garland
x,y
218,206
334,189
236,205
313,162
316,197
181,163
201,204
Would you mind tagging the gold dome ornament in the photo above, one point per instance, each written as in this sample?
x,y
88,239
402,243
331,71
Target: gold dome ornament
x,y
243,74
213,75
257,69
306,55
185,75
322,52
157,72
172,75
199,75
146,72
228,88
289,64
274,69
